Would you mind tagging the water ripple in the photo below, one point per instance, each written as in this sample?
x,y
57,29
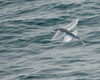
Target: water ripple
x,y
26,52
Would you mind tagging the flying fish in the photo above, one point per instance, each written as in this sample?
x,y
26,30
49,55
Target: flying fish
x,y
66,33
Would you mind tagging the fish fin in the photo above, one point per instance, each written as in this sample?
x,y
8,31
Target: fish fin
x,y
67,38
75,32
58,35
71,25
82,41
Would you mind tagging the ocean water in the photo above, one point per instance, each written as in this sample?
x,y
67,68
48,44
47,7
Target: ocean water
x,y
26,52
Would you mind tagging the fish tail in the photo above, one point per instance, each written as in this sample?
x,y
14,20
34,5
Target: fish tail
x,y
81,41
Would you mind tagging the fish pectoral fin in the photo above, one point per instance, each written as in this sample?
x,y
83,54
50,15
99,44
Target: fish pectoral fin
x,y
58,35
67,38
72,24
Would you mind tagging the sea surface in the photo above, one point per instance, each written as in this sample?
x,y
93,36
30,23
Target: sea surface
x,y
26,28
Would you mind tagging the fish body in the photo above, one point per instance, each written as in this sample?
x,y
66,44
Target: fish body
x,y
66,33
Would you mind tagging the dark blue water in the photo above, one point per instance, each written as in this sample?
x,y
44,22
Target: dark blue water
x,y
26,52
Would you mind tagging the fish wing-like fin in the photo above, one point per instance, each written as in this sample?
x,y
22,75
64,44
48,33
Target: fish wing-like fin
x,y
58,35
67,38
71,25
75,32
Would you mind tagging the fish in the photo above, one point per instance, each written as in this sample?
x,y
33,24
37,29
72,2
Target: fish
x,y
66,33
